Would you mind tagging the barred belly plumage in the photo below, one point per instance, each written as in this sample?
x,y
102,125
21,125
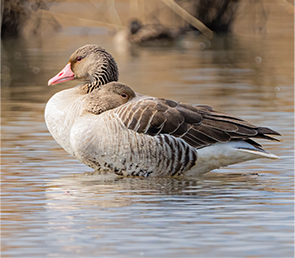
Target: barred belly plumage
x,y
126,152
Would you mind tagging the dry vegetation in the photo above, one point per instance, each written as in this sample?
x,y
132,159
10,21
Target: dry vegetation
x,y
16,13
33,17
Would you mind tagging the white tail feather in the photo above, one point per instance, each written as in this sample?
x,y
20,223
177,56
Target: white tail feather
x,y
223,154
260,153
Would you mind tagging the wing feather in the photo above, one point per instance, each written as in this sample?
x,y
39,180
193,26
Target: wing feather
x,y
198,126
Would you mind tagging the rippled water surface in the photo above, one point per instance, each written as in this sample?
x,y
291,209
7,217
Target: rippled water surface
x,y
51,206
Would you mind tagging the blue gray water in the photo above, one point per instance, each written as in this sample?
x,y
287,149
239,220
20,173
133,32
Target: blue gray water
x,y
53,207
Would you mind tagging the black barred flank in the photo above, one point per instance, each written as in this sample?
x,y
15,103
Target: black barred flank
x,y
181,157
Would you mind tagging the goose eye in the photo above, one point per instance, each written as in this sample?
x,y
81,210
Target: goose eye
x,y
79,58
124,95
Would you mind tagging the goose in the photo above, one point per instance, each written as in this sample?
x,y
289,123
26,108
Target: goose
x,y
107,126
141,34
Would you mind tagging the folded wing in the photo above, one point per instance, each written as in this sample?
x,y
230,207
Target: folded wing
x,y
199,125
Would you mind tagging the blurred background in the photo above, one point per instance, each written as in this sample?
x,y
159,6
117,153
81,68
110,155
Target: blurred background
x,y
235,55
40,17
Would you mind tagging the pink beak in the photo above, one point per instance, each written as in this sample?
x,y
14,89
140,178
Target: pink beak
x,y
64,75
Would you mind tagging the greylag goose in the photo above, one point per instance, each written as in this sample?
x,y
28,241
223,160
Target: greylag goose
x,y
106,125
148,34
141,34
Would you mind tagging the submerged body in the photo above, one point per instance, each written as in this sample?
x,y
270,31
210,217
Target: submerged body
x,y
111,127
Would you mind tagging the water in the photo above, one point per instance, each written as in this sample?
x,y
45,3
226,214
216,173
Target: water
x,y
52,206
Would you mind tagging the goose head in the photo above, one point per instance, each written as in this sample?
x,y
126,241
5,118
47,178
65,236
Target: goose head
x,y
91,64
108,97
134,26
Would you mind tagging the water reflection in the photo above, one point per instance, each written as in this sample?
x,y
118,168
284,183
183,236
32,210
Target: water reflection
x,y
140,216
109,191
50,207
